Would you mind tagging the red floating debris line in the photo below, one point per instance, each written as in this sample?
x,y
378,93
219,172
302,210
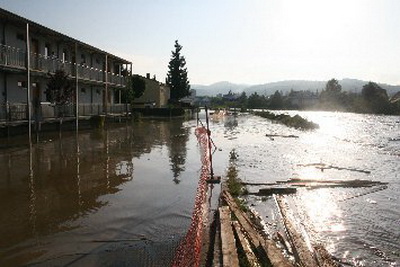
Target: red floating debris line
x,y
189,250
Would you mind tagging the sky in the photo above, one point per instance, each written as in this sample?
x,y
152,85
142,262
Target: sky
x,y
240,41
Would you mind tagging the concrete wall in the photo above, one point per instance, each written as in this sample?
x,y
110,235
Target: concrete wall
x,y
151,93
90,94
12,34
15,93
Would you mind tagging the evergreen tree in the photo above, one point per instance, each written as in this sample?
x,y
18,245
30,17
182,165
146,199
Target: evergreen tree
x,y
177,78
333,86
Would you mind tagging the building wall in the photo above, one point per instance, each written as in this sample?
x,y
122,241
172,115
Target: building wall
x,y
15,93
52,45
151,93
13,37
164,95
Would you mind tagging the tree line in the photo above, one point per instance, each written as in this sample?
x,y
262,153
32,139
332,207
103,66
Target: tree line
x,y
372,99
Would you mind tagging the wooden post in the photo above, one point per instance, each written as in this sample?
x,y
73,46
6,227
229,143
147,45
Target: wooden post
x,y
106,87
76,88
28,72
209,144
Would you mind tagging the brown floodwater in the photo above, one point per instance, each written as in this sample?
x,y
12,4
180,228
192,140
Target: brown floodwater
x,y
124,196
120,196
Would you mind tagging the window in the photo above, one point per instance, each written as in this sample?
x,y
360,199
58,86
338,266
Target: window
x,y
83,90
46,50
83,59
64,56
21,84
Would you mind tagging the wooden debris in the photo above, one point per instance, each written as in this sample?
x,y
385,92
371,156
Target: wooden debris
x,y
276,190
229,253
301,249
269,248
283,136
250,256
312,184
323,166
305,253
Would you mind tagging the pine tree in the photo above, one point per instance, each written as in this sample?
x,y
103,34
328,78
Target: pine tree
x,y
177,78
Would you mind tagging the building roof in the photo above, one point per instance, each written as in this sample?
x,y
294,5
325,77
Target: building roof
x,y
8,16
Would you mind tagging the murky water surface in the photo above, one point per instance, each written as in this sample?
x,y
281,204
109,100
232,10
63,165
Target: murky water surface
x,y
117,197
124,196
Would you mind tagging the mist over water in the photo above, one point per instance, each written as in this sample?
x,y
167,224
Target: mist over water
x,y
125,195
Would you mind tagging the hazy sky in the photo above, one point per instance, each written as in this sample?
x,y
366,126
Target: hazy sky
x,y
241,41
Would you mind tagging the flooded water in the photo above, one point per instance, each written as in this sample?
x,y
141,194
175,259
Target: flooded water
x,y
124,196
359,226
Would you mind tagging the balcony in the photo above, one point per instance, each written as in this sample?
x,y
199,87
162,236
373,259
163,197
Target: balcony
x,y
15,59
19,112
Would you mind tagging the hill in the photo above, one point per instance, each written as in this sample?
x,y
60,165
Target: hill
x,y
349,85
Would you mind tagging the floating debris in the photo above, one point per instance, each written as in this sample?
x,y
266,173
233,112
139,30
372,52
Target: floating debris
x,y
281,135
277,190
313,184
323,166
292,184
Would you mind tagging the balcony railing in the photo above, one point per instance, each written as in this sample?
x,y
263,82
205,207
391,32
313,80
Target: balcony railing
x,y
16,58
19,112
12,56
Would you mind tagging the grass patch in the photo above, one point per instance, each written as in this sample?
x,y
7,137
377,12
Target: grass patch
x,y
235,187
292,121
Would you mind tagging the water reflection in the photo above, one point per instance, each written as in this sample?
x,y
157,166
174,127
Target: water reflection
x,y
63,178
177,149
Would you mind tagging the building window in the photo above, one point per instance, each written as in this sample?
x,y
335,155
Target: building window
x,y
64,56
83,59
98,91
83,90
46,50
22,84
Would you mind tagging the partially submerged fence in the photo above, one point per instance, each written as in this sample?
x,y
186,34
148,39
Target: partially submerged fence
x,y
189,250
19,112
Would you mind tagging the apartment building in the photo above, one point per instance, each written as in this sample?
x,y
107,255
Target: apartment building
x,y
29,52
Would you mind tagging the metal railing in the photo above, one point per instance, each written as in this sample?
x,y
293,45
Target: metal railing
x,y
12,56
16,58
19,112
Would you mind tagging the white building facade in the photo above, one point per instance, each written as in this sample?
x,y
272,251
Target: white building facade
x,y
29,52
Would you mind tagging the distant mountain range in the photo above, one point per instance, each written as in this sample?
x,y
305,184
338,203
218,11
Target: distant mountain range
x,y
350,85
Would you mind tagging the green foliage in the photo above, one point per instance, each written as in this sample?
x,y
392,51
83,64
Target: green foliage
x,y
177,76
135,87
295,121
256,101
234,185
333,86
375,98
59,89
276,101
